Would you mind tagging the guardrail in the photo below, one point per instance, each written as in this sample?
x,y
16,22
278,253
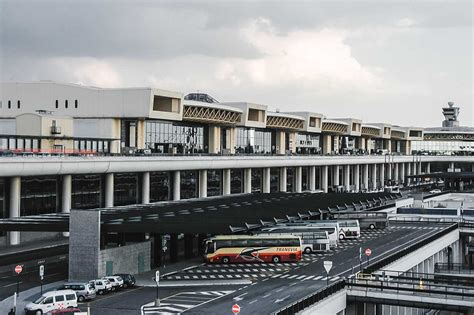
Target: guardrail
x,y
395,256
453,268
311,299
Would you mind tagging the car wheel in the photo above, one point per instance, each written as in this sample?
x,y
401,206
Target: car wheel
x,y
307,250
39,312
372,226
225,260
125,285
276,259
341,236
101,292
80,298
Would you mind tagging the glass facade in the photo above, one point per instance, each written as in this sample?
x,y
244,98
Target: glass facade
x,y
189,188
290,178
307,143
39,195
91,145
159,186
3,206
86,192
167,137
125,189
255,141
236,176
304,178
274,179
256,180
214,179
443,147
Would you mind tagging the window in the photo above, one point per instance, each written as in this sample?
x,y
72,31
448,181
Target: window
x,y
57,104
65,103
75,104
70,297
59,298
18,104
9,104
48,300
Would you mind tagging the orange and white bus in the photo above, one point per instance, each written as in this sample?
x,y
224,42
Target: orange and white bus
x,y
252,249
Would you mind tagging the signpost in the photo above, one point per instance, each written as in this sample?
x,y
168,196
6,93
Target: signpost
x,y
327,267
41,274
18,270
157,280
236,309
368,252
360,259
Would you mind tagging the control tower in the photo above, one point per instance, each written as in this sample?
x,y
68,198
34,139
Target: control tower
x,y
451,114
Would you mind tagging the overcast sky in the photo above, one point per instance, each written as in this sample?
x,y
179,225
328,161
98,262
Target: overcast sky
x,y
393,61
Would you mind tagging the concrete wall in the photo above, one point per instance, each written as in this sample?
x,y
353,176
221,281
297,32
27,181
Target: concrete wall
x,y
125,258
329,306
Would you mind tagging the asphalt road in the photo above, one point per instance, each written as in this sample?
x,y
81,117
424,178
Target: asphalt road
x,y
273,285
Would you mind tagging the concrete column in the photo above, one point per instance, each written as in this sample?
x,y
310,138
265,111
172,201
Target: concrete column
x,y
395,172
280,142
226,182
298,179
283,179
266,180
335,174
389,171
428,167
324,178
176,185
327,144
312,178
365,176
15,197
374,176
382,175
66,195
214,139
451,166
347,177
109,190
357,177
146,187
247,180
408,172
402,172
202,183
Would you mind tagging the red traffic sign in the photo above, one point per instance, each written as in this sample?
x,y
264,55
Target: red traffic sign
x,y
368,252
236,309
18,269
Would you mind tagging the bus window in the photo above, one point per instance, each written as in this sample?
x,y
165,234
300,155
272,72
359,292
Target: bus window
x,y
210,247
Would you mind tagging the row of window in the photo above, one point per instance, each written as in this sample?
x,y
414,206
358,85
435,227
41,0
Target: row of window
x,y
9,104
66,104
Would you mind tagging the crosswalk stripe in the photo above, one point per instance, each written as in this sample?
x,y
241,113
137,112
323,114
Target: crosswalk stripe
x,y
318,278
308,278
301,277
292,277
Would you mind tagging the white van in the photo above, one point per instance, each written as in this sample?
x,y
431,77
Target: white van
x,y
50,301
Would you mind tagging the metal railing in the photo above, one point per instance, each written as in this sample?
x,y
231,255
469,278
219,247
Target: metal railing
x,y
453,268
311,299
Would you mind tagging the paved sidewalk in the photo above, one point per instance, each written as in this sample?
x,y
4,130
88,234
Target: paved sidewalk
x,y
145,279
26,297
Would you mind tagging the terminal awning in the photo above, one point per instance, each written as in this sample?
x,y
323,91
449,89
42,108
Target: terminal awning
x,y
446,175
208,216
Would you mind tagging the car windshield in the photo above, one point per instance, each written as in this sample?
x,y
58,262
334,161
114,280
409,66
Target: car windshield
x,y
39,300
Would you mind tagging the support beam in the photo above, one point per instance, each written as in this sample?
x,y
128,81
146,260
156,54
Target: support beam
x,y
408,173
283,179
365,176
202,183
324,178
428,167
335,181
176,185
109,190
312,178
382,175
226,182
145,187
357,177
395,172
266,180
347,177
298,179
15,197
327,144
247,181
374,176
402,173
66,195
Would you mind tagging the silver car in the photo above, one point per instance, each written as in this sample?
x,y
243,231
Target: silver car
x,y
84,290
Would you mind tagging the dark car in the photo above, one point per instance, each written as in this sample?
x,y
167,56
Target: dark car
x,y
128,279
65,311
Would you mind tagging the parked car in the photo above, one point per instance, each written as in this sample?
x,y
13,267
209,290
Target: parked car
x,y
128,279
116,281
84,290
51,301
101,286
435,191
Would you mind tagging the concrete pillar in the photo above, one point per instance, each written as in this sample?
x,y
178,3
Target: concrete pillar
x,y
145,187
202,183
176,185
402,172
214,137
266,180
283,179
347,177
109,190
327,144
428,167
382,175
357,177
280,142
312,178
362,143
324,178
15,198
335,181
247,181
365,176
226,182
408,172
395,172
374,176
389,171
298,179
66,196
451,166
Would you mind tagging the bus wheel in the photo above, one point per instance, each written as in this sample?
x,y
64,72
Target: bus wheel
x,y
341,236
275,259
225,260
307,250
372,226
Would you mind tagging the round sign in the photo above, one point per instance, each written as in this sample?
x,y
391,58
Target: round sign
x,y
368,252
236,309
18,269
